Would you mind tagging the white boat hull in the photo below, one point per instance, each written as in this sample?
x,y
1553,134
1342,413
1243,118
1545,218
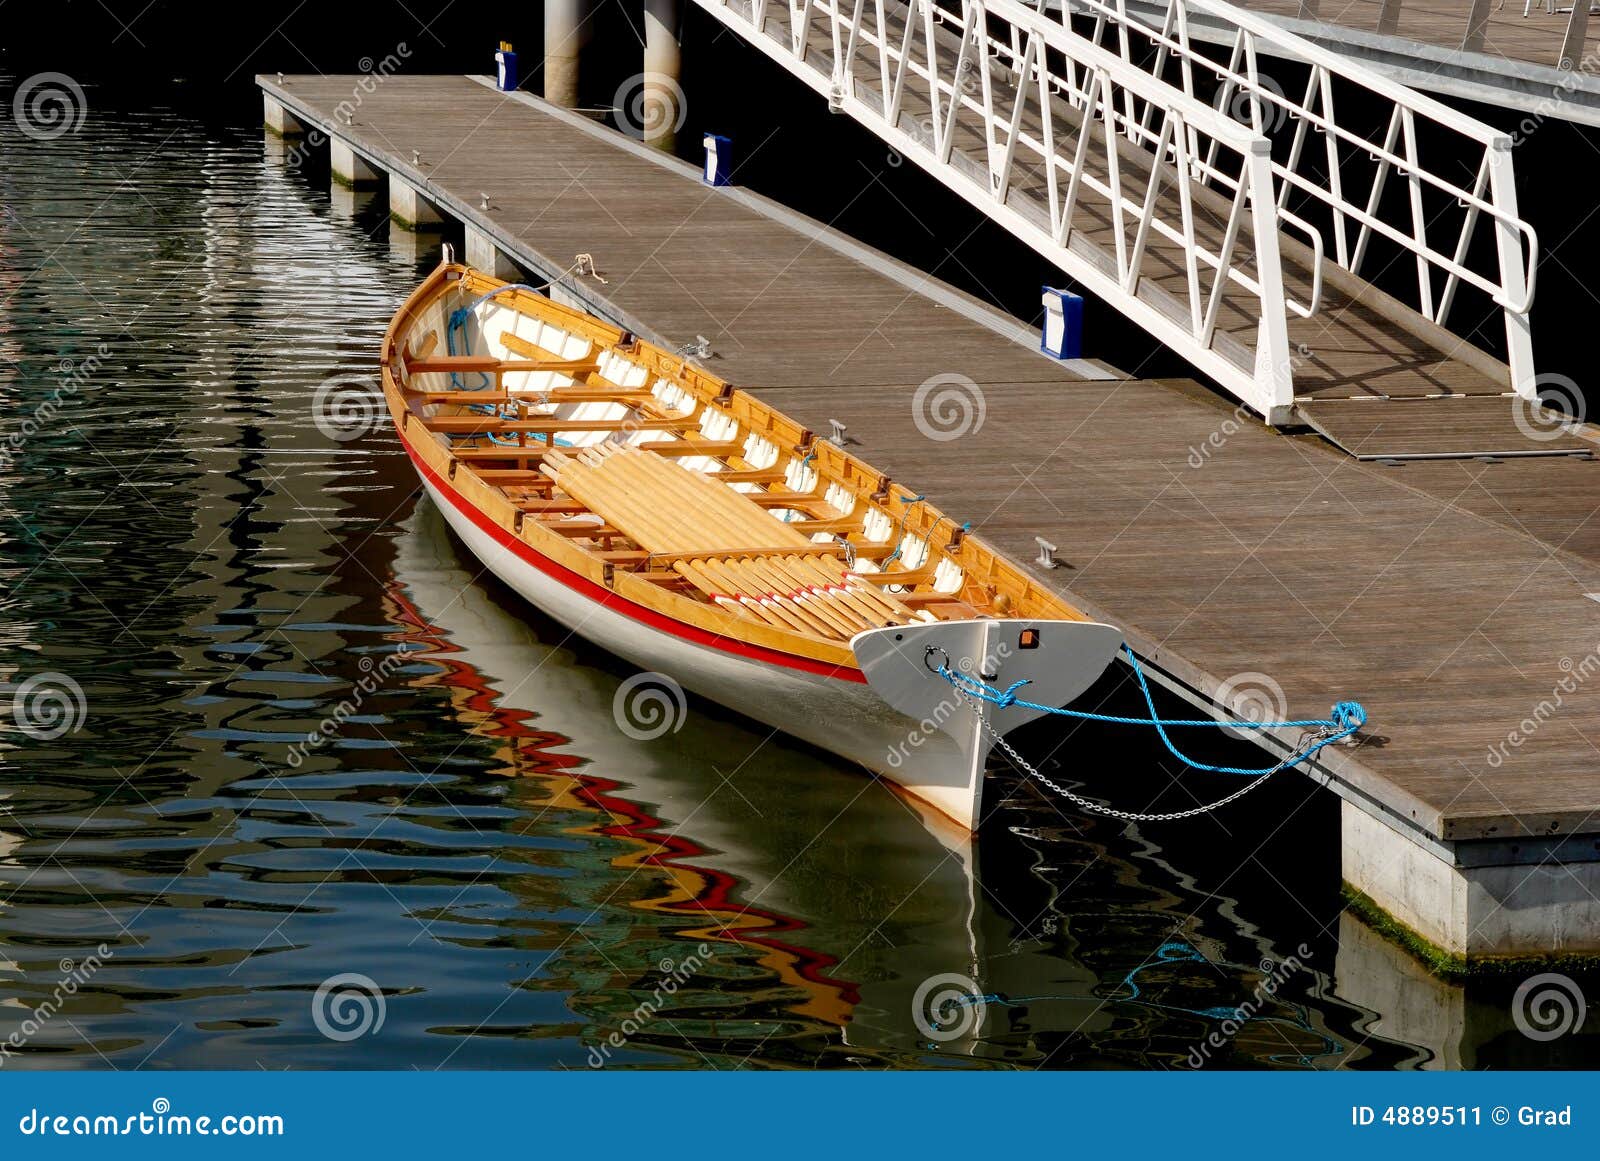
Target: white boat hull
x,y
934,745
839,714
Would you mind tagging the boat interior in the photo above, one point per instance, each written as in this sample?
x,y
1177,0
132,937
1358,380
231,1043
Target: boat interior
x,y
661,471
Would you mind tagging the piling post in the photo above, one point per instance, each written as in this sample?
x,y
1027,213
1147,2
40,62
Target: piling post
x,y
563,31
484,254
1477,23
410,208
348,168
279,120
1389,17
1577,32
663,97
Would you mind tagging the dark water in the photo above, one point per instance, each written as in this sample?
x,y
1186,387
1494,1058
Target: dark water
x,y
478,869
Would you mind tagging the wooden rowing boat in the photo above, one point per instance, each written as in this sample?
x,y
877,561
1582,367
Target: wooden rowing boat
x,y
696,532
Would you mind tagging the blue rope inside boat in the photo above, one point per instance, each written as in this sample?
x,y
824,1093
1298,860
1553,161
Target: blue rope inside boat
x,y
905,518
458,322
1344,719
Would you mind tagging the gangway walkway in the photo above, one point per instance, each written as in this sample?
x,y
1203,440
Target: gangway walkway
x,y
1178,183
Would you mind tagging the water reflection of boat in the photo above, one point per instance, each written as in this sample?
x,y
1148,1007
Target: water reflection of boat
x,y
808,882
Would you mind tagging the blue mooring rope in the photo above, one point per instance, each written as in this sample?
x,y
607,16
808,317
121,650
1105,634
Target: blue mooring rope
x,y
458,322
1344,719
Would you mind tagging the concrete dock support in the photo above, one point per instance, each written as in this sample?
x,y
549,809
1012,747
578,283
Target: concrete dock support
x,y
663,97
563,37
483,254
280,120
349,168
409,208
1508,904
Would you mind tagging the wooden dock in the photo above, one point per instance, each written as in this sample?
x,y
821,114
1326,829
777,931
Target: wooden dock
x,y
1458,600
1545,63
1500,30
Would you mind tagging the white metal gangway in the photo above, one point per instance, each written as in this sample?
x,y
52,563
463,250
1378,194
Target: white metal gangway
x,y
1177,182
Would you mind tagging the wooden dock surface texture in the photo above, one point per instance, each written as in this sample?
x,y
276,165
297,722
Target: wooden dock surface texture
x,y
1534,39
1450,597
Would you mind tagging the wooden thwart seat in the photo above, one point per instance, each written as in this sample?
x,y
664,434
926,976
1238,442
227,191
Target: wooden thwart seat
x,y
722,543
531,395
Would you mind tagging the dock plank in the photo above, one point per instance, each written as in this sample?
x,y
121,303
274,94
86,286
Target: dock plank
x,y
1455,427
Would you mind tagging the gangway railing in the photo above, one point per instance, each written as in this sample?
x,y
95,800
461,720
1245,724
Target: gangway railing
x,y
1088,134
1350,160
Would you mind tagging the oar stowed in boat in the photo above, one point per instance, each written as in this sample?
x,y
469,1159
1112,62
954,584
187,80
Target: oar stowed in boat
x,y
741,555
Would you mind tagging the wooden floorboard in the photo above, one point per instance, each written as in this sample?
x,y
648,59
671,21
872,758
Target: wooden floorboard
x,y
1451,598
1461,426
1534,39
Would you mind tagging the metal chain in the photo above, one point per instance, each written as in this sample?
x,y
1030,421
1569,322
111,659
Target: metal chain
x,y
1078,800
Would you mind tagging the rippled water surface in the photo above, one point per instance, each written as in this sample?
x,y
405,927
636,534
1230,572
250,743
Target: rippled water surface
x,y
478,868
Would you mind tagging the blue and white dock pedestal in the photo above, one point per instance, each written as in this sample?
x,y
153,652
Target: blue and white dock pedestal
x,y
506,59
1062,336
719,160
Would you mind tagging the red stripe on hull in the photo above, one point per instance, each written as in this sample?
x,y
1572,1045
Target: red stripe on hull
x,y
610,600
